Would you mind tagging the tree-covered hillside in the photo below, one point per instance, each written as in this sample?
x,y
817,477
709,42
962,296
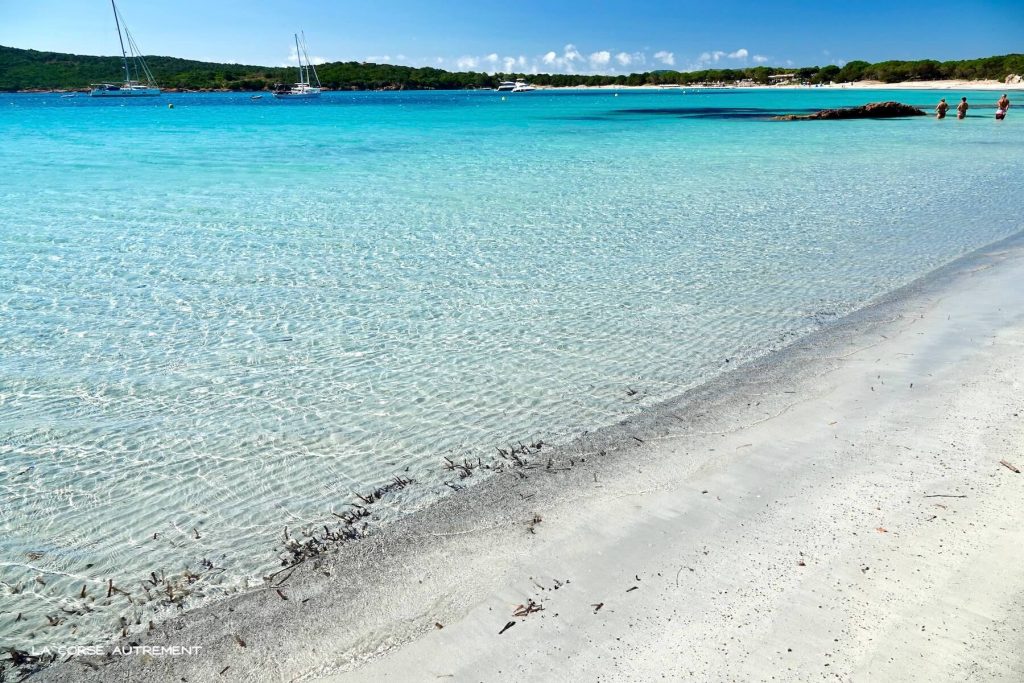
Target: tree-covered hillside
x,y
34,70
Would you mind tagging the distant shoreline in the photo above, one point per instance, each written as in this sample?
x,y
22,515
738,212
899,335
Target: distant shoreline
x,y
857,85
987,85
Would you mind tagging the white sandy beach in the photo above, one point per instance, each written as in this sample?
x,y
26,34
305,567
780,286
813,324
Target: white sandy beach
x,y
837,511
929,85
857,85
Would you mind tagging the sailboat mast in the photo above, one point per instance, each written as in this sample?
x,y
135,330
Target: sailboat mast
x,y
298,56
124,55
309,62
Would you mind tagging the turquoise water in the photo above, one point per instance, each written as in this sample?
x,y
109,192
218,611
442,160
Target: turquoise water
x,y
225,318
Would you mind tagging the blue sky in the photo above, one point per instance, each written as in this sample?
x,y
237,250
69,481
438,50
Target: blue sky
x,y
582,36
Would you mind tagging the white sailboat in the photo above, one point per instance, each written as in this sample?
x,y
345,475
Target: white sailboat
x,y
143,84
304,89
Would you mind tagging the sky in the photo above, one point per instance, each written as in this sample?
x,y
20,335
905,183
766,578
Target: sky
x,y
529,36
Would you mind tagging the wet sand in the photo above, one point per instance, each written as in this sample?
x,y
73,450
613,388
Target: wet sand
x,y
836,510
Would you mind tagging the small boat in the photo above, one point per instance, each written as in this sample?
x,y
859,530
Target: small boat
x,y
143,84
64,97
522,86
256,97
304,89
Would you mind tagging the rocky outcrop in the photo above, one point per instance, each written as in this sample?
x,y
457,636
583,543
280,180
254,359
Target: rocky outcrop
x,y
1014,79
873,110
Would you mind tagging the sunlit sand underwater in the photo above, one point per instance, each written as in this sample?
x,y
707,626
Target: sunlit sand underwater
x,y
231,317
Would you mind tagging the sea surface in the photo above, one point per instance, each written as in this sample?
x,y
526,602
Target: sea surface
x,y
229,317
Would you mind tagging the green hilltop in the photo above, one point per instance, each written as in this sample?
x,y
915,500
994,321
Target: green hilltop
x,y
33,70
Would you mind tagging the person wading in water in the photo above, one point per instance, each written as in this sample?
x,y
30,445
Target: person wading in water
x,y
961,109
1002,106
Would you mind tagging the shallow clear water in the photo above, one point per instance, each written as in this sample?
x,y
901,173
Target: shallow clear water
x,y
225,318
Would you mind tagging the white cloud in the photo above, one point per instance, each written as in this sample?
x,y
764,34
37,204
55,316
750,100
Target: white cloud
x,y
566,62
570,59
631,58
293,59
715,56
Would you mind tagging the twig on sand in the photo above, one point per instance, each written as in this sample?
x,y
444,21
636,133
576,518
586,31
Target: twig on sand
x,y
680,572
290,568
1010,466
465,468
507,627
944,495
597,607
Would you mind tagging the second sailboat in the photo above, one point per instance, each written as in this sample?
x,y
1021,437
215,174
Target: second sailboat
x,y
304,89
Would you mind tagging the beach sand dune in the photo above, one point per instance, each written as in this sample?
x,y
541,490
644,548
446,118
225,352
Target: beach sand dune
x,y
838,511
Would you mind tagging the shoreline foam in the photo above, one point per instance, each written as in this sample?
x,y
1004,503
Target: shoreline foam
x,y
629,501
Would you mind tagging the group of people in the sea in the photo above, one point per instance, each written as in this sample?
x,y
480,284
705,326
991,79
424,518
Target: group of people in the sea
x,y
1002,106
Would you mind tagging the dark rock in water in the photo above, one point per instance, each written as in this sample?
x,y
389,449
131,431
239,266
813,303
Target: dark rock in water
x,y
874,110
